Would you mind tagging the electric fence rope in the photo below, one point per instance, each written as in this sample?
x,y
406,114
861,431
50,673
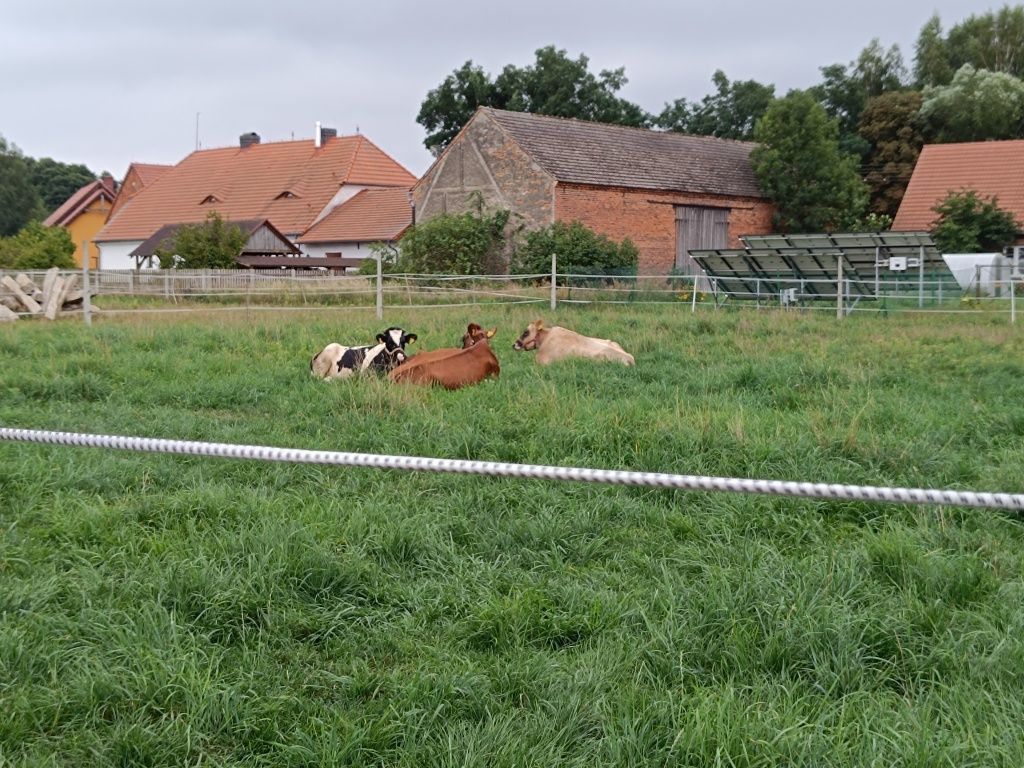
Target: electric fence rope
x,y
1013,501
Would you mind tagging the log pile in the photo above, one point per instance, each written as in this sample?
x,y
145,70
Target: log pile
x,y
20,295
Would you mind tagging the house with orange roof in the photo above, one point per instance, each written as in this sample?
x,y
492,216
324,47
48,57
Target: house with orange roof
x,y
295,185
989,168
139,176
84,214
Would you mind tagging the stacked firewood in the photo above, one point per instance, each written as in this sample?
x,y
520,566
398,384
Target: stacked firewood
x,y
20,295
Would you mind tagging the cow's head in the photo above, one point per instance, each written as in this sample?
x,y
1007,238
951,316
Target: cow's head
x,y
475,334
530,338
394,340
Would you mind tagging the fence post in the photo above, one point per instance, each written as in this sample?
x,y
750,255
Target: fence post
x,y
554,285
86,302
839,288
1013,302
693,296
380,288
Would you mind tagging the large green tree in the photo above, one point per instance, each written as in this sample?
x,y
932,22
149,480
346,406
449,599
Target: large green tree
x,y
19,200
814,185
449,106
56,182
554,84
845,89
993,40
969,223
977,105
889,122
729,113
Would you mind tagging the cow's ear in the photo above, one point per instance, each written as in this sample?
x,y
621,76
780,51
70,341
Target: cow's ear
x,y
381,338
538,324
490,333
410,338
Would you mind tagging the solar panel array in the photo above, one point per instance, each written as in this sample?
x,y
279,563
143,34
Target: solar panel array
x,y
769,264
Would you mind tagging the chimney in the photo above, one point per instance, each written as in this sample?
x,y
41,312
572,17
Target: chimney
x,y
316,134
328,133
248,139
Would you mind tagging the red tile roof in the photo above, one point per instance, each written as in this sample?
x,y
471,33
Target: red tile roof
x,y
150,172
80,200
369,216
247,183
987,167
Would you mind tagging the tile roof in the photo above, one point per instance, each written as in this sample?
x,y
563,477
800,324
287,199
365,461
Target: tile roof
x,y
368,216
582,152
150,172
250,183
987,167
81,199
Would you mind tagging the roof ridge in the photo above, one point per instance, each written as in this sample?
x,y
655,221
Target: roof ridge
x,y
620,126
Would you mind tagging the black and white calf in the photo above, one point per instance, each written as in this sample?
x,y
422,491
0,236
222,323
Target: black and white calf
x,y
338,362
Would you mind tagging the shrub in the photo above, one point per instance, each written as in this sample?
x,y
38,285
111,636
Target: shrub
x,y
469,243
214,244
37,247
970,224
578,249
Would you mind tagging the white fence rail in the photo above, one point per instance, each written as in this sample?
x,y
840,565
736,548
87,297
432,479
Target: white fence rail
x,y
148,291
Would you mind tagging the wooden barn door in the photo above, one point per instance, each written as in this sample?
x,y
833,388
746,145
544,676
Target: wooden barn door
x,y
699,228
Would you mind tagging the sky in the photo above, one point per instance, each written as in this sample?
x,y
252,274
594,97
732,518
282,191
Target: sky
x,y
109,83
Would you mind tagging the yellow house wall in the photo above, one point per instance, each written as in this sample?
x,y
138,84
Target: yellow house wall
x,y
85,226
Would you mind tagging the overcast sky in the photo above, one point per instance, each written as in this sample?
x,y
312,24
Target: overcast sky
x,y
108,83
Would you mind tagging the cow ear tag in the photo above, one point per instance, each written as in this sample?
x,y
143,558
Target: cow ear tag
x,y
490,333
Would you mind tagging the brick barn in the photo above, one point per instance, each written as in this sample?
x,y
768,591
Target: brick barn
x,y
667,192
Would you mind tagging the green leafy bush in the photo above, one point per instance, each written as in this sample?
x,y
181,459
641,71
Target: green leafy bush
x,y
469,243
969,223
214,244
578,249
37,247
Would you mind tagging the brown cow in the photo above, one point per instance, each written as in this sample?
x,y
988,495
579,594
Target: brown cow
x,y
452,368
557,343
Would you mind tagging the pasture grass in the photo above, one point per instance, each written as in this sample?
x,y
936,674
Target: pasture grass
x,y
162,610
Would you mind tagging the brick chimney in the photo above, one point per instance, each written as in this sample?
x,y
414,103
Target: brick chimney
x,y
248,139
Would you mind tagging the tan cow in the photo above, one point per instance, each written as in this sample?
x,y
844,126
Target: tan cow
x,y
557,343
452,368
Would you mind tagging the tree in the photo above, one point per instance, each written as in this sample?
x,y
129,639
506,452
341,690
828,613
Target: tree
x,y
214,244
730,113
978,105
19,201
931,56
889,123
553,85
56,182
992,41
815,186
37,247
468,243
969,223
449,106
576,247
845,89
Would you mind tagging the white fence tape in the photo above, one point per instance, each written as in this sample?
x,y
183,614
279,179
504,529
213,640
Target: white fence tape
x,y
1013,501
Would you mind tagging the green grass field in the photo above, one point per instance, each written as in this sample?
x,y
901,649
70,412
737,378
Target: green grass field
x,y
161,610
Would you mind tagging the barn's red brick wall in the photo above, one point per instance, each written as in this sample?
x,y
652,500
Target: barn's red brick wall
x,y
648,217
